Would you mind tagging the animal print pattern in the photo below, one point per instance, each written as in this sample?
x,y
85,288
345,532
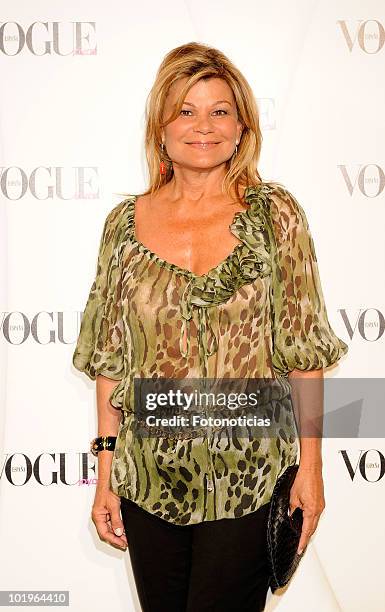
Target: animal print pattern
x,y
259,314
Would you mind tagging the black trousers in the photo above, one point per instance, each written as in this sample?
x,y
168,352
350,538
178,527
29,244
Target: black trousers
x,y
214,566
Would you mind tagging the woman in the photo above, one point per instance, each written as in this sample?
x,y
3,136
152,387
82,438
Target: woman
x,y
210,273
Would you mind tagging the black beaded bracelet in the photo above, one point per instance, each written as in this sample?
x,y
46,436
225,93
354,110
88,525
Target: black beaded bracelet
x,y
102,443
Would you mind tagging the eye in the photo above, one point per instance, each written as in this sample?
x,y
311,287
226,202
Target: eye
x,y
220,110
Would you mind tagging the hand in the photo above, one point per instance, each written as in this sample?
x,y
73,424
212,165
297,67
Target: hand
x,y
106,517
307,492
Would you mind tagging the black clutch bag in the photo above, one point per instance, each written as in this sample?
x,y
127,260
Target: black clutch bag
x,y
283,531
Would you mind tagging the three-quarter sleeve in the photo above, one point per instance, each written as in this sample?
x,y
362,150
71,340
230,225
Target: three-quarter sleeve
x,y
302,336
100,344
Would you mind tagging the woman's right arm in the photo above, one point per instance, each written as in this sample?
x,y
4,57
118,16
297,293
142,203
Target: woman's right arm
x,y
106,507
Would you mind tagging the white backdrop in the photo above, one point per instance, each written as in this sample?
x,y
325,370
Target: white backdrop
x,y
74,78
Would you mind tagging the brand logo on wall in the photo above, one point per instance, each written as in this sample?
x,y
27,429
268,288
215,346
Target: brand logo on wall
x,y
367,464
367,36
368,179
48,38
49,469
50,182
369,323
43,328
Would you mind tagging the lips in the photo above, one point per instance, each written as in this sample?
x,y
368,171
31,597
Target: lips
x,y
202,145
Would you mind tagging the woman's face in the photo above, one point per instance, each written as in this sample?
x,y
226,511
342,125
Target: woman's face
x,y
207,129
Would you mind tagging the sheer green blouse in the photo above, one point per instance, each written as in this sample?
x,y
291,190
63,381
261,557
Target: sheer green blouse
x,y
259,313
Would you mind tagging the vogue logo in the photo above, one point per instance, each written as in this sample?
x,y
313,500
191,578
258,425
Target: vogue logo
x,y
48,469
44,327
48,182
370,324
371,468
48,38
369,35
369,179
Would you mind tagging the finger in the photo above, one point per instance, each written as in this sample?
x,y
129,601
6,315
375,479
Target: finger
x,y
122,538
116,522
306,533
313,518
293,506
107,535
123,542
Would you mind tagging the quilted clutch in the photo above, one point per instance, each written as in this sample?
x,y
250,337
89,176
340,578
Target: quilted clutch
x,y
283,531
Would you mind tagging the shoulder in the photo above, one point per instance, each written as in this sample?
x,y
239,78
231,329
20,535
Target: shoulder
x,y
284,200
290,224
119,217
116,224
286,211
277,195
119,212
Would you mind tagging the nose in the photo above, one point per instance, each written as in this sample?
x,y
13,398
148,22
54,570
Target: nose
x,y
203,125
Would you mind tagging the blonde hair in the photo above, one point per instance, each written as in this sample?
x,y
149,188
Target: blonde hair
x,y
196,61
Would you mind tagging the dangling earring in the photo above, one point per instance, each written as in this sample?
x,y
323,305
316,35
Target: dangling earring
x,y
162,165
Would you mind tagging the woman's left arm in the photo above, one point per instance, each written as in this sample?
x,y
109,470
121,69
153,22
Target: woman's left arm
x,y
307,491
304,344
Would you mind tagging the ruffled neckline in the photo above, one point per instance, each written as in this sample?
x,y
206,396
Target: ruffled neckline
x,y
243,221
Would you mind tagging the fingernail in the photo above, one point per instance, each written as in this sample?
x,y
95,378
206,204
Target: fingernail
x,y
300,551
118,531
